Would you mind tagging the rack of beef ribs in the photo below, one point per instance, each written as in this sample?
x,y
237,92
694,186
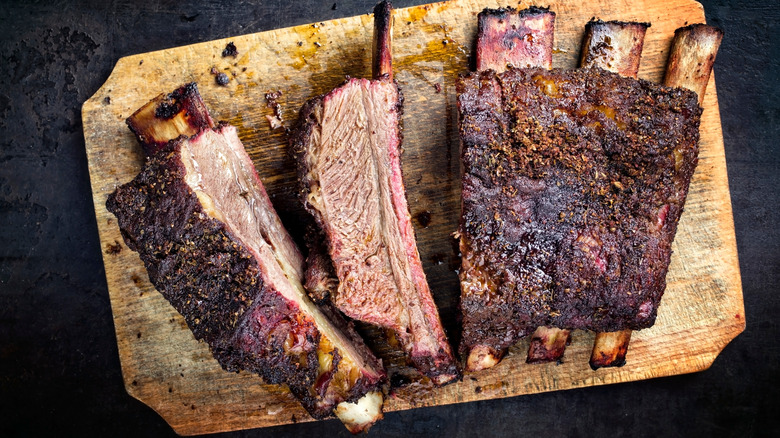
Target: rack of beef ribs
x,y
201,221
348,144
571,197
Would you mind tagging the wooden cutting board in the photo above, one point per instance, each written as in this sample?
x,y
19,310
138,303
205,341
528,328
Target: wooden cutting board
x,y
166,368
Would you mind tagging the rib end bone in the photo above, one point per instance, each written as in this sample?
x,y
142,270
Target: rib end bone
x,y
361,415
691,57
382,59
614,46
548,345
519,38
609,349
169,116
482,357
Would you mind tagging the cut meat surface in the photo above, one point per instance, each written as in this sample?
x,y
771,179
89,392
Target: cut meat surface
x,y
348,150
356,230
213,245
571,197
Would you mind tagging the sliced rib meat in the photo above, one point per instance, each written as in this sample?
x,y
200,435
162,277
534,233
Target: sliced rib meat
x,y
348,149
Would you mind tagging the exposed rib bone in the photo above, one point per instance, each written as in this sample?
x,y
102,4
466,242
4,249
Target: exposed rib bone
x,y
382,50
518,38
168,116
691,57
548,344
614,46
609,349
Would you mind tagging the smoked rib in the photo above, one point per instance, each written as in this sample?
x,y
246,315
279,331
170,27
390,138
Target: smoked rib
x,y
202,223
691,58
347,145
614,46
508,37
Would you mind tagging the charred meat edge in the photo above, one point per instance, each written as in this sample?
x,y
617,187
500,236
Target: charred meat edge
x,y
345,374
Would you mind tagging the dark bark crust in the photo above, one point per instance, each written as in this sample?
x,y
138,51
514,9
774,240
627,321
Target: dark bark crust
x,y
571,197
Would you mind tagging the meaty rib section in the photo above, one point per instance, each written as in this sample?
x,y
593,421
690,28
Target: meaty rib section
x,y
348,150
690,62
213,245
614,46
571,198
508,37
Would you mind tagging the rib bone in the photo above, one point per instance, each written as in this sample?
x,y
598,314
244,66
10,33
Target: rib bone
x,y
382,50
614,46
168,116
691,57
518,38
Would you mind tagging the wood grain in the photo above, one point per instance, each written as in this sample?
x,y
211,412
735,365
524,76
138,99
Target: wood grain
x,y
166,368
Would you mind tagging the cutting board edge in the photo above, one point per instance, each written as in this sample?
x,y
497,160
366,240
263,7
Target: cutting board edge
x,y
699,362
